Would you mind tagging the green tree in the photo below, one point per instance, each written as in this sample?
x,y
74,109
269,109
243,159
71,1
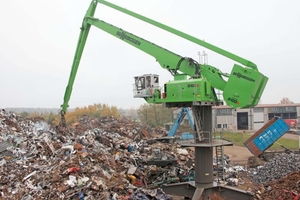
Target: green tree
x,y
34,114
50,118
24,114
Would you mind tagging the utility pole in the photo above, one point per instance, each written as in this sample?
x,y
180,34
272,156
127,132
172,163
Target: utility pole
x,y
200,60
203,58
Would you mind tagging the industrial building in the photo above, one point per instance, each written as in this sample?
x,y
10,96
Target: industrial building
x,y
229,119
254,118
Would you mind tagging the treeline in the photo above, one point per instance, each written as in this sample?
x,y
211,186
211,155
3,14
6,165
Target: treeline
x,y
35,110
96,111
148,114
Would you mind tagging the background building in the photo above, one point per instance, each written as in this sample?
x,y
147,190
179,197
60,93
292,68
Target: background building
x,y
227,118
224,117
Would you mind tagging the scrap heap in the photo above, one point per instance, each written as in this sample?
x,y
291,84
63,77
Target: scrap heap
x,y
97,159
286,188
279,178
116,160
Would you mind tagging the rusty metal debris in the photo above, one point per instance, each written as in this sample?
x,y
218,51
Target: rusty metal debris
x,y
285,188
279,166
95,159
109,159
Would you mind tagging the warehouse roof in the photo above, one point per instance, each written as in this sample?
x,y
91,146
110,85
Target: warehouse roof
x,y
265,105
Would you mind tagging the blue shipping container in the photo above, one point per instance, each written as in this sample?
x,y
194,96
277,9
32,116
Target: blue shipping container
x,y
271,134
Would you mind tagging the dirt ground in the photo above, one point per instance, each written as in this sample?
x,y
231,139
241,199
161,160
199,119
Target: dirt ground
x,y
240,154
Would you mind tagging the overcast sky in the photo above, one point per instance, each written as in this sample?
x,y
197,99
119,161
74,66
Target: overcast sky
x,y
38,39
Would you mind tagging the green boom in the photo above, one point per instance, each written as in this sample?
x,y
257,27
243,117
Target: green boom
x,y
193,83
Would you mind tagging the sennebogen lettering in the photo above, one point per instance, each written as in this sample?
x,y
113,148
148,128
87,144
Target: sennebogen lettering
x,y
239,75
123,36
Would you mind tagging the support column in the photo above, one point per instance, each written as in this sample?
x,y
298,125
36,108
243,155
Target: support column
x,y
203,185
203,155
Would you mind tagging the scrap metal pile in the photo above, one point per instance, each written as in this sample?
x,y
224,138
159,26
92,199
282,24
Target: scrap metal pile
x,y
97,159
279,178
288,187
111,159
279,166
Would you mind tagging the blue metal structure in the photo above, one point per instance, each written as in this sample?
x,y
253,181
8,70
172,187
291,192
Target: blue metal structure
x,y
184,112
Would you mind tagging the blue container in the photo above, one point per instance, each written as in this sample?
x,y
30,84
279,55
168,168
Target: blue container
x,y
271,135
267,135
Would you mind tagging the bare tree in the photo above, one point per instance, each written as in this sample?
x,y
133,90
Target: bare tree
x,y
154,115
286,100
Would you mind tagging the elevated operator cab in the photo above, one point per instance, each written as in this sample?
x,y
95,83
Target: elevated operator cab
x,y
144,85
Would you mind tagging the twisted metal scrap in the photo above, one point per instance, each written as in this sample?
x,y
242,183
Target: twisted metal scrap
x,y
279,166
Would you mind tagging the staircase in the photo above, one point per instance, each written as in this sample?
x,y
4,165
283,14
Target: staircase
x,y
198,122
220,162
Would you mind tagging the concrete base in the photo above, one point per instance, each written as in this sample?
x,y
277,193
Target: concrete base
x,y
190,190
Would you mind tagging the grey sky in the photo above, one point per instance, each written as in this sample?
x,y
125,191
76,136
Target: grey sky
x,y
38,40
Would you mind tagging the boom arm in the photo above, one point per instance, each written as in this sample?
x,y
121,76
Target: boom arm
x,y
204,77
183,35
167,59
237,97
76,61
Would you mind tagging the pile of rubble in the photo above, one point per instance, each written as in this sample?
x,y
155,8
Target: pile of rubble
x,y
279,166
111,159
124,127
98,159
287,187
279,178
